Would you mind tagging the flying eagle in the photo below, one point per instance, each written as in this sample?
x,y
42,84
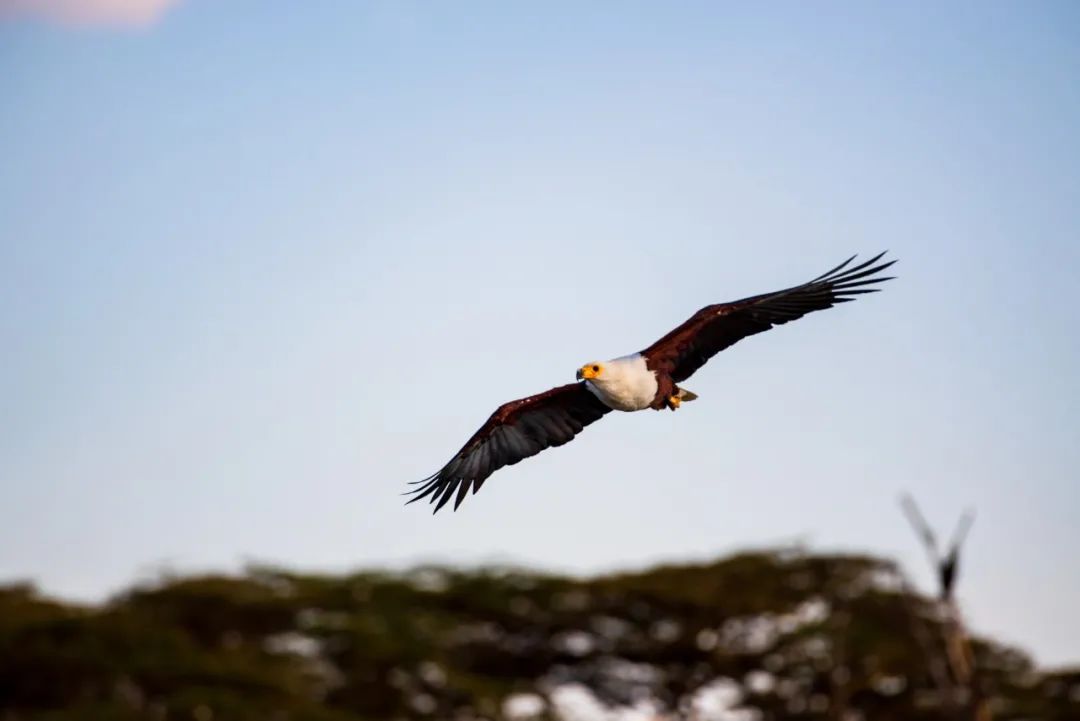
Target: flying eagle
x,y
523,428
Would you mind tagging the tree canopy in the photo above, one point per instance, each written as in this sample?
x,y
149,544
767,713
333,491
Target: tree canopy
x,y
764,635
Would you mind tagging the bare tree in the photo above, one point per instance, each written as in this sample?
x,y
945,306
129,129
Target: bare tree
x,y
961,686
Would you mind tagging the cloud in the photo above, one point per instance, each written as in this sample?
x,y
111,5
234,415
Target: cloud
x,y
130,13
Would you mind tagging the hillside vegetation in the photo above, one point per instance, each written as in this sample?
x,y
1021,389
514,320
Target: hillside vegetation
x,y
770,635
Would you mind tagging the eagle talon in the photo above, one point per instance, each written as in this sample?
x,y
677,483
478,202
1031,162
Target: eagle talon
x,y
674,402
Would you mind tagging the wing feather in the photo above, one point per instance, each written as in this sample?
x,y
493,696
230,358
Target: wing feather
x,y
515,431
713,328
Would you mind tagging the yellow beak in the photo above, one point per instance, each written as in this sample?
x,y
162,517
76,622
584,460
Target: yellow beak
x,y
586,373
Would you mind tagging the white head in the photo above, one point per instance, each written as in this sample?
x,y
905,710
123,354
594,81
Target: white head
x,y
591,371
624,383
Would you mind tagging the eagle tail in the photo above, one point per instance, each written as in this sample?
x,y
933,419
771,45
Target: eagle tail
x,y
685,395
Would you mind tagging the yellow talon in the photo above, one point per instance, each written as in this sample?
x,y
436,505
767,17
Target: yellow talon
x,y
674,402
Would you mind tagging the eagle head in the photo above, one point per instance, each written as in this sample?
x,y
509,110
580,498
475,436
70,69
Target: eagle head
x,y
590,371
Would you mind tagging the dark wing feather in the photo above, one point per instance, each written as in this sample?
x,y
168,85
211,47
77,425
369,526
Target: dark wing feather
x,y
515,431
715,327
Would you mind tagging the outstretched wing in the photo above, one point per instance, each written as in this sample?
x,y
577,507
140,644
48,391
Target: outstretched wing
x,y
516,430
715,327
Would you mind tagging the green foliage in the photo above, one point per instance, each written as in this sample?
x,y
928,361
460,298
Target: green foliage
x,y
821,635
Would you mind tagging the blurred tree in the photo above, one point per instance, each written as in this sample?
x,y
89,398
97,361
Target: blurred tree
x,y
767,635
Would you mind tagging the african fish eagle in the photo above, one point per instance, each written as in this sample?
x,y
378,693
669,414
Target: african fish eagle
x,y
523,428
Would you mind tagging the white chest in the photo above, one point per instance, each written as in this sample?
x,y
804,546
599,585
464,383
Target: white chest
x,y
625,384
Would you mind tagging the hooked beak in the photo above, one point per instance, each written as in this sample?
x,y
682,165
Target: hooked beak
x,y
588,372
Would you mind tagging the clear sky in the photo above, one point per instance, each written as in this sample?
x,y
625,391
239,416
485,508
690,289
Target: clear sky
x,y
263,263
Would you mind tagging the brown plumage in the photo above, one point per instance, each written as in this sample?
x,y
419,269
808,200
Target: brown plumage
x,y
522,428
515,431
715,327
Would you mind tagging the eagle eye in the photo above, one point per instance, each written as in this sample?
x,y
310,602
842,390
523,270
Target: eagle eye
x,y
596,369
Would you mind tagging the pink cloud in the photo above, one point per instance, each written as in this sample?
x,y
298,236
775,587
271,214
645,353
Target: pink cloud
x,y
139,13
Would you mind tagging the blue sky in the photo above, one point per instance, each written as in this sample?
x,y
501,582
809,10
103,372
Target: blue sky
x,y
262,265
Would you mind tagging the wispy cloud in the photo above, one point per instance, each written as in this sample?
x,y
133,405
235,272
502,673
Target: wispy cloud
x,y
137,13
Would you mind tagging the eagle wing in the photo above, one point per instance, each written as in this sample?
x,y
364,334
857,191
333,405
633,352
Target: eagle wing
x,y
515,431
713,328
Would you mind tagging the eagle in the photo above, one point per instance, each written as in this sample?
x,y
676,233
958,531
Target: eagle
x,y
647,379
